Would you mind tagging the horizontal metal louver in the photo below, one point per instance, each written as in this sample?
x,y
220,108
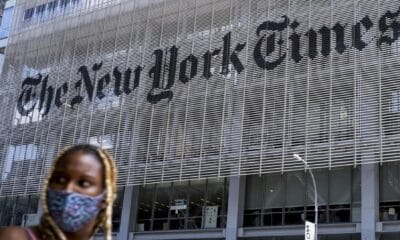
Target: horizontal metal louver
x,y
216,87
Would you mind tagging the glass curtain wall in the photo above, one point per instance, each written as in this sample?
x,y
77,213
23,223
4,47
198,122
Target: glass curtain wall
x,y
183,205
327,237
389,196
13,210
284,199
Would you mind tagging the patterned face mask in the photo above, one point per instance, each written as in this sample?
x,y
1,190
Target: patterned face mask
x,y
72,211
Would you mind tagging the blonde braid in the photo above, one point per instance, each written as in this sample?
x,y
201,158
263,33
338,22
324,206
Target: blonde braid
x,y
49,229
110,184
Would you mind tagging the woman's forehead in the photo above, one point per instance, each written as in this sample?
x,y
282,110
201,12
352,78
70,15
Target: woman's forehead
x,y
79,161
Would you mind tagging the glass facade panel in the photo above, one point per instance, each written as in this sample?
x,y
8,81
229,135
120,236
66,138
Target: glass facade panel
x,y
390,236
183,205
117,209
340,187
14,209
217,197
320,237
254,184
161,206
322,181
145,206
295,188
338,192
196,204
389,196
274,191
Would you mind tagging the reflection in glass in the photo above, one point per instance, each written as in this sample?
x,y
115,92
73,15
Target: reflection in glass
x,y
285,199
183,205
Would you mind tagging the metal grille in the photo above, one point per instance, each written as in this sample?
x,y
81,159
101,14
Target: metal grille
x,y
239,87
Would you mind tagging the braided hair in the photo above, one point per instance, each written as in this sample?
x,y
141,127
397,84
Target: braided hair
x,y
48,229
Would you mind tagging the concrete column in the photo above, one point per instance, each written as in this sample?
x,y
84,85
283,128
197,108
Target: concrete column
x,y
369,201
368,144
129,212
236,198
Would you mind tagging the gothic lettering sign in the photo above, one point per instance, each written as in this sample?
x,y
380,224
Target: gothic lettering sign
x,y
268,53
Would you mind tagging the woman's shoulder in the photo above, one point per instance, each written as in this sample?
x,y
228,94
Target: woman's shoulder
x,y
13,233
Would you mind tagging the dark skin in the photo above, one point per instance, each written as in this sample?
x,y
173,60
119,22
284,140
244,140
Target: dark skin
x,y
77,172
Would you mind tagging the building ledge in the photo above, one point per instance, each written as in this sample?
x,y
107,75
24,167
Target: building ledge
x,y
179,234
298,230
388,226
293,230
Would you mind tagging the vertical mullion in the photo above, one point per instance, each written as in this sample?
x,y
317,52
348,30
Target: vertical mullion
x,y
7,143
69,84
244,91
380,98
24,129
166,156
109,87
206,93
221,141
54,114
330,95
285,99
355,91
37,127
152,106
135,124
93,101
263,104
122,100
80,89
187,98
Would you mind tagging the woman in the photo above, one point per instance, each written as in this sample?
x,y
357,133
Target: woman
x,y
77,197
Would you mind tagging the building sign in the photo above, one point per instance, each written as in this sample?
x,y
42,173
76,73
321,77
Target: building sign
x,y
210,217
193,90
309,233
176,67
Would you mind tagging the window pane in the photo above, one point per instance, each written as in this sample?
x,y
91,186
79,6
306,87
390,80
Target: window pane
x,y
390,182
295,189
217,197
117,209
7,216
179,201
321,179
356,185
2,209
340,186
161,206
33,204
21,209
254,192
274,190
196,204
146,199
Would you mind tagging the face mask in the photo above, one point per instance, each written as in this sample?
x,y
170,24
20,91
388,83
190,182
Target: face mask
x,y
72,211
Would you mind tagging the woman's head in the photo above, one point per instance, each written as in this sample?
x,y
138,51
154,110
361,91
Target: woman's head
x,y
82,175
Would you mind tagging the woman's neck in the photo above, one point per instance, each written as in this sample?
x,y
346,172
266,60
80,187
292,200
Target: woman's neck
x,y
84,234
78,236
